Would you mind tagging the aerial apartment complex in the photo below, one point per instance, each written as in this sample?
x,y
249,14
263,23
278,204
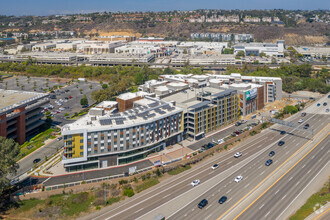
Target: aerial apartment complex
x,y
20,113
120,132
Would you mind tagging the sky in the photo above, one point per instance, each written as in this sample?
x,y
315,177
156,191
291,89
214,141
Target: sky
x,y
53,7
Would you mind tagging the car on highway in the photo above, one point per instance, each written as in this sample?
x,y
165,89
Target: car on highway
x,y
301,120
37,160
328,96
318,104
195,182
306,126
283,132
280,143
269,162
238,179
325,104
215,166
272,153
222,199
238,154
303,114
202,203
327,110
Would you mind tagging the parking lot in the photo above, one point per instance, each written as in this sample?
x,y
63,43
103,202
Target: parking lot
x,y
60,100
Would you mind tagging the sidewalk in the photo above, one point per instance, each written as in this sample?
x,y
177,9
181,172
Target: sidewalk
x,y
322,211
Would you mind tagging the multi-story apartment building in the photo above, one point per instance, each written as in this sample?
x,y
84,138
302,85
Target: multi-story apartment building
x,y
20,113
206,109
108,137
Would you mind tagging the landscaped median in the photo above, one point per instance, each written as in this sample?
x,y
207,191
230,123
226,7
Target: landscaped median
x,y
315,202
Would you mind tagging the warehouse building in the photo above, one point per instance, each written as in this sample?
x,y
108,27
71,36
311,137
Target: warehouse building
x,y
20,113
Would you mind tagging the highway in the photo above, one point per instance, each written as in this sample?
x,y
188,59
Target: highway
x,y
278,198
177,199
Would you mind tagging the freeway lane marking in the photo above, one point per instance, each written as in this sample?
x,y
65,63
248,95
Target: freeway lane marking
x,y
283,197
246,185
208,207
138,210
283,175
208,216
290,178
268,177
267,214
304,191
228,191
261,206
166,196
277,192
261,173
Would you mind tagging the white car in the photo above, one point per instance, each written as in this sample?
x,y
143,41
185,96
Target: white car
x,y
220,141
238,154
215,166
301,120
195,182
238,178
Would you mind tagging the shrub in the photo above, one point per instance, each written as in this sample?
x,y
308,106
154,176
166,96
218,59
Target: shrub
x,y
121,182
128,192
113,200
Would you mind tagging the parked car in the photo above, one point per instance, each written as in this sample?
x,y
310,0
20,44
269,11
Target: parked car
x,y
59,138
202,203
238,123
272,153
222,199
269,162
195,182
215,166
243,121
238,154
220,141
37,160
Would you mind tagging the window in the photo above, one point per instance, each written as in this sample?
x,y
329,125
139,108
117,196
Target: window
x,y
81,147
81,153
81,141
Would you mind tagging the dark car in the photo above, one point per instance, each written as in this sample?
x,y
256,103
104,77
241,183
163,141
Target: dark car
x,y
222,199
325,104
36,160
85,106
269,162
203,203
283,132
281,143
272,153
238,123
303,114
209,145
306,126
318,104
329,96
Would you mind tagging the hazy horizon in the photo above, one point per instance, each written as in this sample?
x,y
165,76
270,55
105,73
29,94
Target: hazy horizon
x,y
45,7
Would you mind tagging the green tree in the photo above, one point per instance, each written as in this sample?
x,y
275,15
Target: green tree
x,y
84,100
9,150
104,86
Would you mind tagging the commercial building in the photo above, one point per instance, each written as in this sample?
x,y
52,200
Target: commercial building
x,y
212,59
315,52
251,96
121,132
270,49
20,113
272,86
